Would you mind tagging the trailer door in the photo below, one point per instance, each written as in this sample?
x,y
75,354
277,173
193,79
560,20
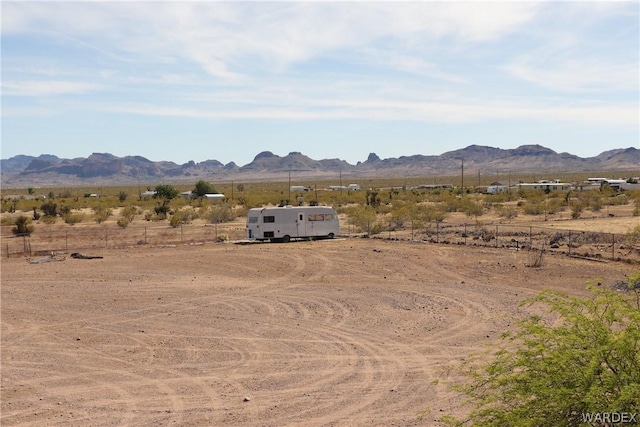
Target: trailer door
x,y
301,225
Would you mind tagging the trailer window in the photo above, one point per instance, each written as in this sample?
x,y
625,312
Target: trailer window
x,y
269,218
316,217
253,219
329,217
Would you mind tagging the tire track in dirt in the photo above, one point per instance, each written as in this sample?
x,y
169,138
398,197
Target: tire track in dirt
x,y
314,335
233,303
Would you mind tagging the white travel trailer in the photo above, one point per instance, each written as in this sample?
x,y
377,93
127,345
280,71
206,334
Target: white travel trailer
x,y
282,224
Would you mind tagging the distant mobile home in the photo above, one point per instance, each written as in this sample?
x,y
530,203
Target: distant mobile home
x,y
351,187
546,186
282,224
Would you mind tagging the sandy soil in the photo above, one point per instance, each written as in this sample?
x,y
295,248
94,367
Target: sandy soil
x,y
346,332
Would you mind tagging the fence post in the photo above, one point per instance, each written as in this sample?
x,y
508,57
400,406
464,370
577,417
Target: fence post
x,y
412,229
181,233
465,234
496,236
613,246
530,238
569,242
145,234
106,238
66,240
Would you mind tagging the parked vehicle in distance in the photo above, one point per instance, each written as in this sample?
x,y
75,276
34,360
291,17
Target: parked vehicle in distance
x,y
282,224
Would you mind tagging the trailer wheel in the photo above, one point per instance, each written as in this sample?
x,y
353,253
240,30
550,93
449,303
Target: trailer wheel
x,y
286,239
331,236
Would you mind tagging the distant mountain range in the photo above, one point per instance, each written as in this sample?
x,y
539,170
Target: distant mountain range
x,y
107,169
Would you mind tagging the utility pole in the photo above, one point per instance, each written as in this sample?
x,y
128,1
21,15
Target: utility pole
x,y
462,173
289,186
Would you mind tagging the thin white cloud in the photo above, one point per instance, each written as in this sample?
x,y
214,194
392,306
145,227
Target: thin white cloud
x,y
40,88
377,109
583,75
230,39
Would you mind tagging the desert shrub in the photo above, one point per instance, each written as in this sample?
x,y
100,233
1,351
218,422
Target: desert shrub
x,y
400,213
100,214
176,220
634,281
122,222
64,211
49,219
122,196
471,208
616,200
22,226
554,205
632,238
533,208
162,211
576,209
580,359
497,198
129,213
189,214
636,209
73,218
49,208
221,213
507,212
364,218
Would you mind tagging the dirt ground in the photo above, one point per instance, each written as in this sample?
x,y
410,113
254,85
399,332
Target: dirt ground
x,y
345,332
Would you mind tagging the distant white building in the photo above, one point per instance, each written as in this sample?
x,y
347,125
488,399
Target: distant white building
x,y
555,185
351,187
497,187
214,196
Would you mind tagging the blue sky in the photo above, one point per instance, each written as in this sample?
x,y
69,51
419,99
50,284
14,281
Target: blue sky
x,y
226,80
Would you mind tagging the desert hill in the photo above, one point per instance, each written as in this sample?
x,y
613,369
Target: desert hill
x,y
105,168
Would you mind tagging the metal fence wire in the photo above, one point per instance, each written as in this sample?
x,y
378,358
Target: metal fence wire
x,y
592,245
47,241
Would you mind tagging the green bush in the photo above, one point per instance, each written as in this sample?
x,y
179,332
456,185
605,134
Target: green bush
x,y
176,220
122,222
49,209
129,212
221,213
22,226
100,215
49,219
581,359
73,218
